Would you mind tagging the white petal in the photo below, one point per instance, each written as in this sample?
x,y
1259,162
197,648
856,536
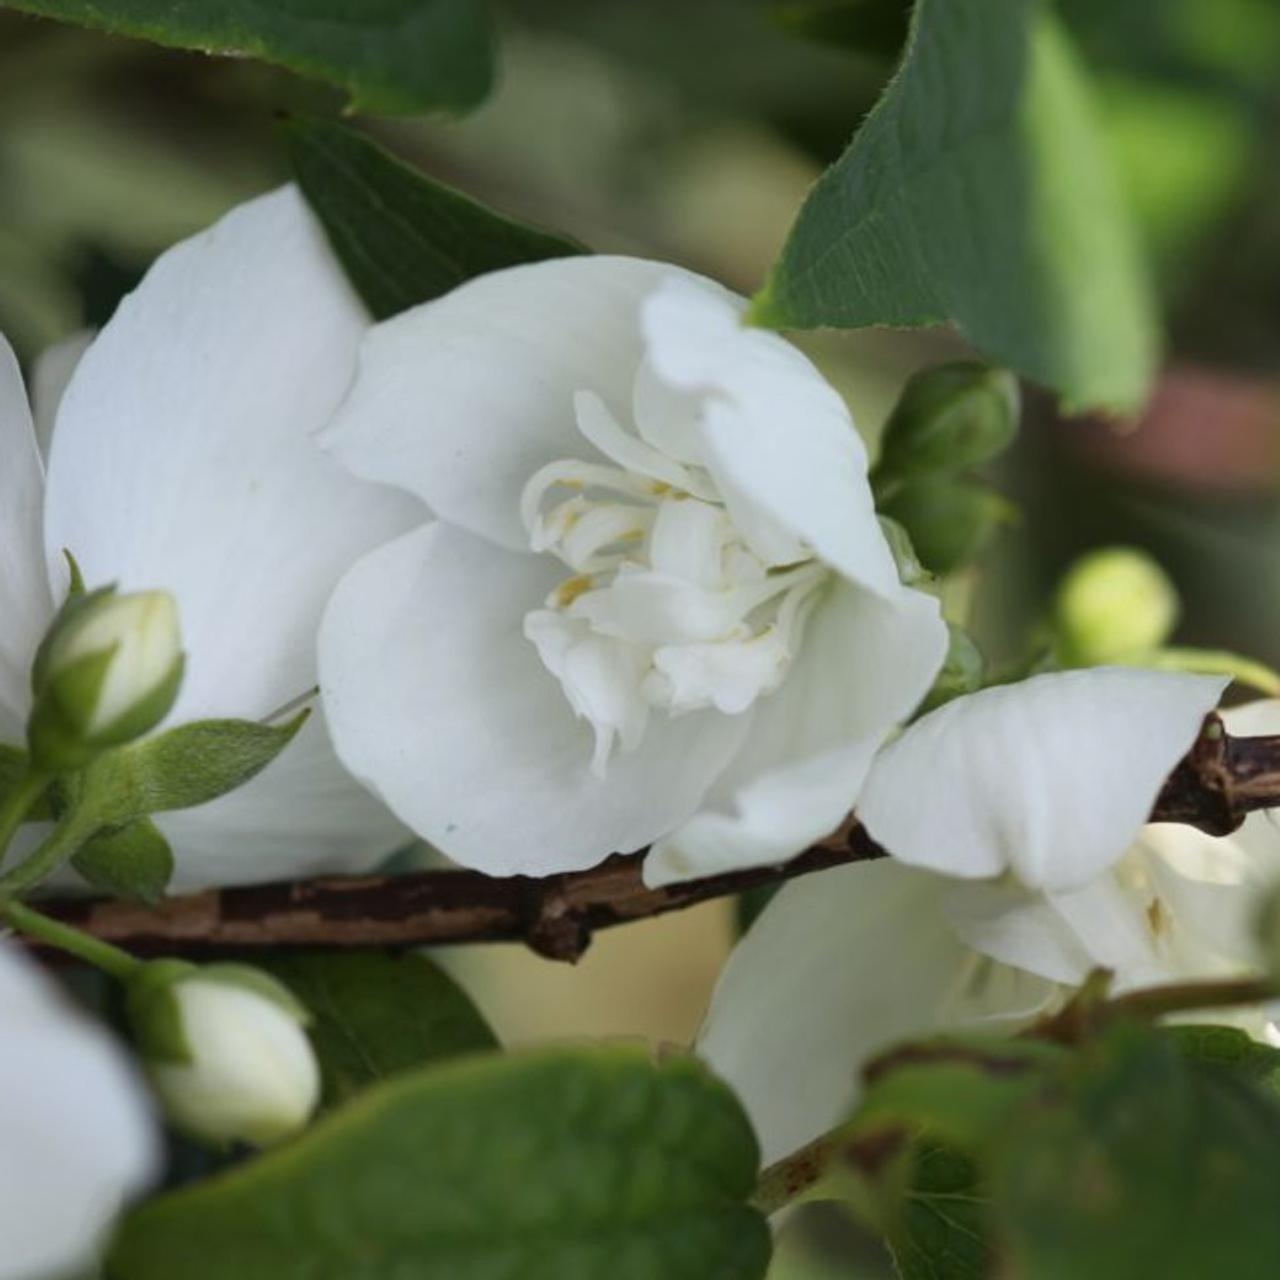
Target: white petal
x,y
838,967
776,436
1051,778
1061,937
26,604
439,702
78,1137
303,815
462,400
863,665
1212,887
183,457
50,378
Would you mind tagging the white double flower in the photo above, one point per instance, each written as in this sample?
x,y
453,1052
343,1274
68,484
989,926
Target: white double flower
x,y
655,606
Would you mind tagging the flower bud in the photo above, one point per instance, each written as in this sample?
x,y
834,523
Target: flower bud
x,y
107,672
949,418
226,1051
950,521
1113,605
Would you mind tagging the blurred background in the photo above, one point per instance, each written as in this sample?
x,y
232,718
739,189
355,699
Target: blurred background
x,y
691,132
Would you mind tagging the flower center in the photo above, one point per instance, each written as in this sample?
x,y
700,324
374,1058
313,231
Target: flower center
x,y
668,608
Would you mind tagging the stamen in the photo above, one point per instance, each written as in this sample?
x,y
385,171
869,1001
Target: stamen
x,y
670,606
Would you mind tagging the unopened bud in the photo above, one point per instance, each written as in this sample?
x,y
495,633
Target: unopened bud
x,y
226,1050
1112,606
107,672
950,521
949,418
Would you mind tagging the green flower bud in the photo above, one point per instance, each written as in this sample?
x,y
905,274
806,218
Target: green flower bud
x,y
949,418
226,1051
107,672
1111,606
950,521
963,670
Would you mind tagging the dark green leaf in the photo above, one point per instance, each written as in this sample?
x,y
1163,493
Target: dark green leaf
x,y
377,1014
389,55
403,238
942,1230
979,191
877,27
1230,1047
557,1165
1151,1165
133,861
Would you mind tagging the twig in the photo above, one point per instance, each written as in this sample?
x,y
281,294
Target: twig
x,y
1218,782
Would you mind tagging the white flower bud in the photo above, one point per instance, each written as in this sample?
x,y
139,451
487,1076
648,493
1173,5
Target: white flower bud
x,y
107,673
226,1052
1114,605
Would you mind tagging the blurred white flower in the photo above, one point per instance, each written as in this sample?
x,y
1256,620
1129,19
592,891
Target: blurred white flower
x,y
76,1136
1031,800
182,460
656,606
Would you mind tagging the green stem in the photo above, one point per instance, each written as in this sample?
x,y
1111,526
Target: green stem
x,y
47,856
102,955
18,803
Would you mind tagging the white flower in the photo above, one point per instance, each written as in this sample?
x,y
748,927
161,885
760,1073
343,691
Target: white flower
x,y
842,964
839,966
76,1136
1032,794
656,606
182,460
1049,778
249,1074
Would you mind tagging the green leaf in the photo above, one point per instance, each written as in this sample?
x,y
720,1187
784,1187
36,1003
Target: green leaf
x,y
13,769
979,191
1229,1047
403,238
941,1233
956,1088
556,1165
181,768
388,55
1151,1165
377,1014
877,27
133,861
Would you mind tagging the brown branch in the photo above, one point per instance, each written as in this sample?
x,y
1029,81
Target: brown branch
x,y
1216,784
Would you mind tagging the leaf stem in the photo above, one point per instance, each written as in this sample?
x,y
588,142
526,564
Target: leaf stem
x,y
70,833
18,803
102,955
797,1176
